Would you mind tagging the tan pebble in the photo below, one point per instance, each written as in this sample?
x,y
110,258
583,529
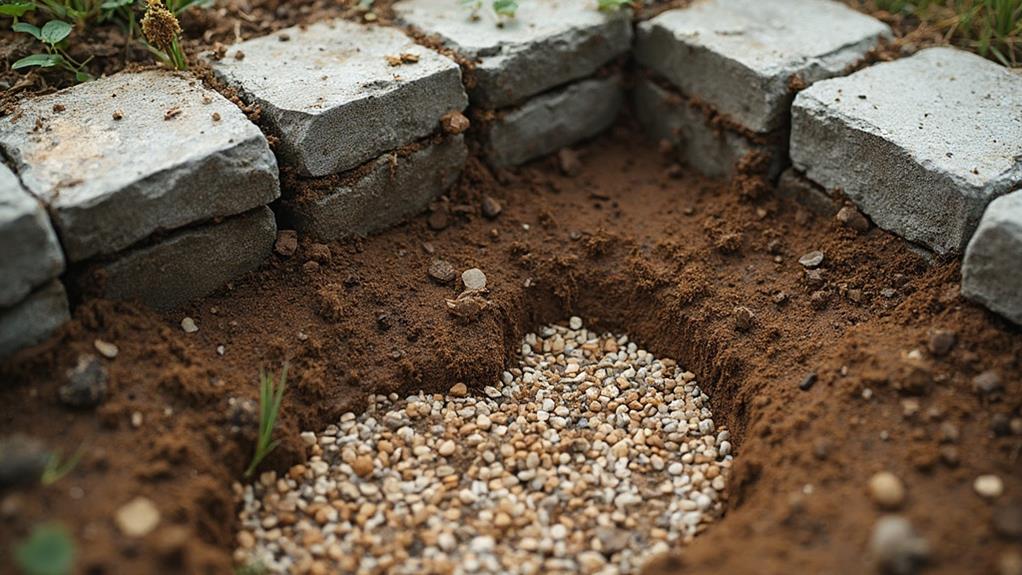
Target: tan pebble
x,y
459,390
988,486
105,348
886,490
138,517
362,466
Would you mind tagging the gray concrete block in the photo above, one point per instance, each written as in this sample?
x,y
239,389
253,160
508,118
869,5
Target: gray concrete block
x,y
553,120
921,144
333,98
711,149
186,265
166,163
33,319
797,188
393,189
548,43
992,268
29,251
740,55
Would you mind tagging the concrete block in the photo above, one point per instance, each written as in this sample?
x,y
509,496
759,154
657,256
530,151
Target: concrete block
x,y
332,95
740,56
922,144
30,254
33,319
547,44
186,265
553,120
122,157
992,268
797,188
392,189
707,146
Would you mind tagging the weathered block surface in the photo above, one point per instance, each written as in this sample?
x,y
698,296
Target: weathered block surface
x,y
189,264
711,149
333,97
394,189
992,268
548,43
554,120
165,164
33,319
29,252
740,55
921,144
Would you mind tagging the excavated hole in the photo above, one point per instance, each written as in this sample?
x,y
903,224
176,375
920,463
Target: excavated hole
x,y
589,454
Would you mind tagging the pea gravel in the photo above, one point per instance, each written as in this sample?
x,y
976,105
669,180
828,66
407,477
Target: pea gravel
x,y
590,456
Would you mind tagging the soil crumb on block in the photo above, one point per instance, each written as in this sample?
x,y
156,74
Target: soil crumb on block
x,y
590,455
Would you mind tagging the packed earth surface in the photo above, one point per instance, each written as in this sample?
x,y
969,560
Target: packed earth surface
x,y
892,372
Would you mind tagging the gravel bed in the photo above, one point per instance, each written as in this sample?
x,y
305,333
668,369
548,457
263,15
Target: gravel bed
x,y
588,456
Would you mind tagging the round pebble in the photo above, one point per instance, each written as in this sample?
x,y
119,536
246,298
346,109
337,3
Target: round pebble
x,y
886,490
988,486
473,279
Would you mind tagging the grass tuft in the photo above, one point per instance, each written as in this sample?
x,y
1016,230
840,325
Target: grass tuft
x,y
992,28
271,394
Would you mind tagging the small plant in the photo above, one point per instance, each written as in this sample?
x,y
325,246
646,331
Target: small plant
x,y
53,36
501,8
56,470
270,396
612,5
49,550
162,33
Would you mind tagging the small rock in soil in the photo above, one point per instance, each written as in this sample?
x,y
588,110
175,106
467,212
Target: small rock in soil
x,y
819,300
467,306
811,259
87,383
22,460
808,382
441,271
454,123
886,490
744,318
568,161
438,219
851,217
988,486
105,348
189,326
320,253
287,243
897,547
987,383
815,279
138,517
458,390
941,342
474,279
491,207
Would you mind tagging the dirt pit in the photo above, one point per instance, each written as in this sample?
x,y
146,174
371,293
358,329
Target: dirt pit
x,y
867,364
589,455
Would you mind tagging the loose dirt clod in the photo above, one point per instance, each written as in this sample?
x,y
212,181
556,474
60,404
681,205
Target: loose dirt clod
x,y
589,456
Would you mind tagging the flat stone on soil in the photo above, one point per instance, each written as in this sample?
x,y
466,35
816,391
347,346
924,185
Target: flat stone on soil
x,y
697,141
554,120
992,268
29,251
166,163
189,264
547,44
921,145
740,56
333,95
34,318
395,188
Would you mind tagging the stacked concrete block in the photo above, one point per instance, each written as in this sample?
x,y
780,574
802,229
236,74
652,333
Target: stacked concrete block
x,y
921,145
32,299
348,102
542,79
129,162
992,268
724,72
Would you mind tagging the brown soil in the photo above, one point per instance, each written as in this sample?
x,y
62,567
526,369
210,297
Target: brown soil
x,y
630,249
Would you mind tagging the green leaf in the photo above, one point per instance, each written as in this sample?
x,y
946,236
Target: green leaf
x,y
39,61
612,5
49,550
56,30
81,76
115,4
505,7
17,9
27,28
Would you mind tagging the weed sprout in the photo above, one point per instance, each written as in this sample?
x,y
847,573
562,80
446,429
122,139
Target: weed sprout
x,y
271,394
